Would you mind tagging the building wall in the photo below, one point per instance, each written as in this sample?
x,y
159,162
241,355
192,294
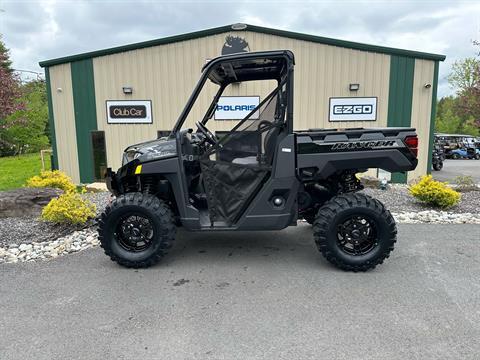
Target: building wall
x,y
421,111
64,118
167,74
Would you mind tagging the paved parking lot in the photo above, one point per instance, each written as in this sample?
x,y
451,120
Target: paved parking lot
x,y
250,296
454,168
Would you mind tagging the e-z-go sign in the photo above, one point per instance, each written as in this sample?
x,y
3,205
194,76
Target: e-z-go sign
x,y
129,111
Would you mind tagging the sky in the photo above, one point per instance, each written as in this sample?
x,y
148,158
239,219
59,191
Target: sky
x,y
46,29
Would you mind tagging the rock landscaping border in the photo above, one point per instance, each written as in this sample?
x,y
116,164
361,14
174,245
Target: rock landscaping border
x,y
46,250
88,238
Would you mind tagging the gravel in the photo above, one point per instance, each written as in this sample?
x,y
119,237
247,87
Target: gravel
x,y
46,250
100,199
17,230
398,199
28,239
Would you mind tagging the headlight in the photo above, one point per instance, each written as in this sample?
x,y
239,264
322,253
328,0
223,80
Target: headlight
x,y
129,155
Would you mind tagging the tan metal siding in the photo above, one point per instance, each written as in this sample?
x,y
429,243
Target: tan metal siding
x,y
421,110
64,116
167,74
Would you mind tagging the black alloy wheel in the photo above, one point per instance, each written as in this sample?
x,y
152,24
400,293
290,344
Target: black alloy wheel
x,y
357,235
134,232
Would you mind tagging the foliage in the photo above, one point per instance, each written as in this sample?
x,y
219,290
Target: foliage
x,y
466,183
465,79
5,61
451,120
69,208
434,193
9,87
26,128
15,170
464,73
54,179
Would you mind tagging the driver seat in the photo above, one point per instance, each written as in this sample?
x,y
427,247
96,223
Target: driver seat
x,y
269,142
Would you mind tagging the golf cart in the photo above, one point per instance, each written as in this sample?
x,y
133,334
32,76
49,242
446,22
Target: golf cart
x,y
261,175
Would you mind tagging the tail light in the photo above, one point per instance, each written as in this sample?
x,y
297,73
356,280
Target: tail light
x,y
412,144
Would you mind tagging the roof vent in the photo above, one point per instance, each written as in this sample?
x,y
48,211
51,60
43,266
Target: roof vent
x,y
239,26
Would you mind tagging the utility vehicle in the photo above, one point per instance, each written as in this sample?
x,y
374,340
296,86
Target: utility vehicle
x,y
261,175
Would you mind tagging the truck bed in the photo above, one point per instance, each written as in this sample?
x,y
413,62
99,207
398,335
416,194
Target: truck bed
x,y
323,152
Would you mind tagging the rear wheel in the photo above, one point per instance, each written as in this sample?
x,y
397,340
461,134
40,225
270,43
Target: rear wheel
x,y
136,230
354,232
455,156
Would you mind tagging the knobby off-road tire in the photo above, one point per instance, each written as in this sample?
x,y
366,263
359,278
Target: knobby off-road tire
x,y
335,213
438,166
145,209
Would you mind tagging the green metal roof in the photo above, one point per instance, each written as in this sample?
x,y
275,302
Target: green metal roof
x,y
244,27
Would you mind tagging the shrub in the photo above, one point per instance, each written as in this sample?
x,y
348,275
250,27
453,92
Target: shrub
x,y
53,179
465,183
434,193
69,208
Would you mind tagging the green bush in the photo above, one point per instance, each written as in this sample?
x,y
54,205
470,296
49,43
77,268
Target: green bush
x,y
69,208
54,179
434,193
465,183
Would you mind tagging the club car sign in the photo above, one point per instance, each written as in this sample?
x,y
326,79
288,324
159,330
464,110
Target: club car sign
x,y
129,111
353,109
236,107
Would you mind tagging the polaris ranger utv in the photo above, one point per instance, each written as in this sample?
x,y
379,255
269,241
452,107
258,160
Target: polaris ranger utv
x,y
261,175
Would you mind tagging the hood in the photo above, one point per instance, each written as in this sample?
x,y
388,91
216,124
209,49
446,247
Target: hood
x,y
150,150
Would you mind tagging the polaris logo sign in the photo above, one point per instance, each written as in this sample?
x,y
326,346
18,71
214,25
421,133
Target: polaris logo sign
x,y
236,107
353,109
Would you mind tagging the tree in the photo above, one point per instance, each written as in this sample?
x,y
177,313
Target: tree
x,y
9,86
25,129
464,109
5,61
465,74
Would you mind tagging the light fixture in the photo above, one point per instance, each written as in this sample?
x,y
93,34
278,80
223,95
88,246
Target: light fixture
x,y
59,90
427,86
127,90
354,87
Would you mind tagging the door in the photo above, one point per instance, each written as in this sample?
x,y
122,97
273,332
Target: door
x,y
235,169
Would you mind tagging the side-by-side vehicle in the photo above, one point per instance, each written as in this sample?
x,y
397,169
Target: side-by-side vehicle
x,y
260,175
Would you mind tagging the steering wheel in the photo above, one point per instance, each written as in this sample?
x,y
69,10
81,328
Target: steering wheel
x,y
208,134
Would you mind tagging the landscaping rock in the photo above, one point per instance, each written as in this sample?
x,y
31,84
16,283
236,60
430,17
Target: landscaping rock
x,y
25,201
371,182
50,249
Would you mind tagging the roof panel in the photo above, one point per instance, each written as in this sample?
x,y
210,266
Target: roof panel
x,y
253,28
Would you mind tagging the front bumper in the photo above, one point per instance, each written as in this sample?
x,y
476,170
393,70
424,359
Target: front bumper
x,y
111,181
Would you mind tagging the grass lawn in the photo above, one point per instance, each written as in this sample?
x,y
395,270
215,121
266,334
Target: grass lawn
x,y
15,170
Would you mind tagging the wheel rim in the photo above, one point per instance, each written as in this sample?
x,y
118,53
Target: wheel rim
x,y
135,232
357,235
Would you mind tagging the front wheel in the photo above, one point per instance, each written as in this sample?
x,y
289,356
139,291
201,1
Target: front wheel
x,y
136,230
354,232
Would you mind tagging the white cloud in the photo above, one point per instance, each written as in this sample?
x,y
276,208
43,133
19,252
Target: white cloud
x,y
44,29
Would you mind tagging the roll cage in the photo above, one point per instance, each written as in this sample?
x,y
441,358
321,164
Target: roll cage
x,y
235,68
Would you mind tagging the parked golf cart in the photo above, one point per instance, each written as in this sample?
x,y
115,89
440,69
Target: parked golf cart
x,y
465,153
438,156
